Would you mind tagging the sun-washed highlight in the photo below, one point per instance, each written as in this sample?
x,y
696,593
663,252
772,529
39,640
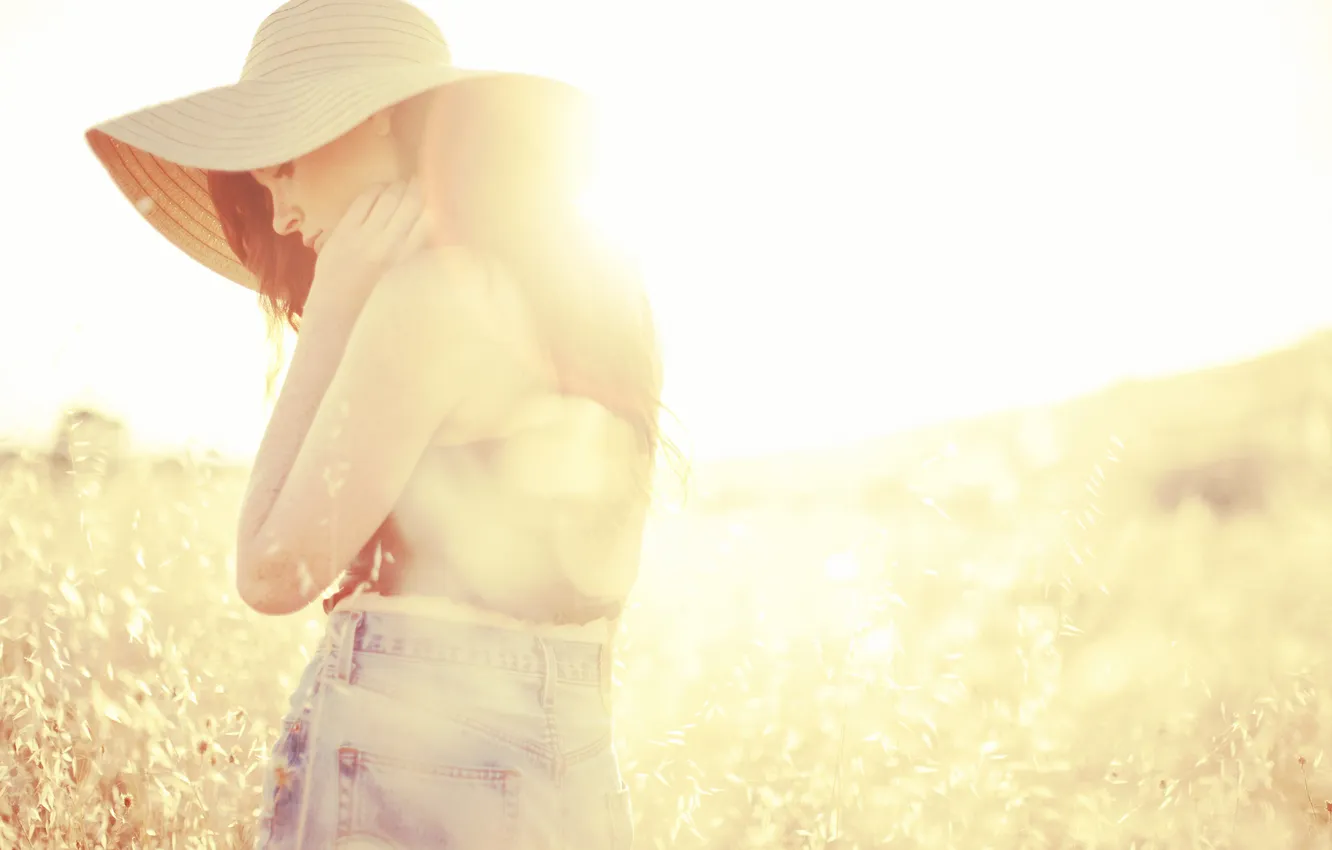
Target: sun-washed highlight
x,y
503,162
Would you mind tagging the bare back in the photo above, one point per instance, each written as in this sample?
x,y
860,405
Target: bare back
x,y
525,488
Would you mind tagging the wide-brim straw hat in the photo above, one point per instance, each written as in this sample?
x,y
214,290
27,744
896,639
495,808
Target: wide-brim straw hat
x,y
316,69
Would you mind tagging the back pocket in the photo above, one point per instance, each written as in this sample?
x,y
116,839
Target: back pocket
x,y
396,802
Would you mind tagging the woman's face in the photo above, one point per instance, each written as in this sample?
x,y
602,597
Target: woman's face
x,y
311,193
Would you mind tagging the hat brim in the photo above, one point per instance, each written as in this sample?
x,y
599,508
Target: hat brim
x,y
159,156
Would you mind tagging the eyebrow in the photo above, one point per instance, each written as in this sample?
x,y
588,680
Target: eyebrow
x,y
269,171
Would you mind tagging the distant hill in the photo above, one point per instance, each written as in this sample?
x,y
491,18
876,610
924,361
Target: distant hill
x,y
1271,413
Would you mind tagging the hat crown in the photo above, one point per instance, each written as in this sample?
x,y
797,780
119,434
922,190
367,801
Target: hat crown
x,y
312,37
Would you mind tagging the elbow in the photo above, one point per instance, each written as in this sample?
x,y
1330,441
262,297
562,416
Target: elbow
x,y
257,588
262,601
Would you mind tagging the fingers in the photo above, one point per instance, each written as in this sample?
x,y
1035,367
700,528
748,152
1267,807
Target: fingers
x,y
375,206
385,221
393,202
396,217
416,239
407,214
385,205
359,210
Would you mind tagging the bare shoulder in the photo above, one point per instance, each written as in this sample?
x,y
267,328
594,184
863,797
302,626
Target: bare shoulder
x,y
469,326
455,303
447,284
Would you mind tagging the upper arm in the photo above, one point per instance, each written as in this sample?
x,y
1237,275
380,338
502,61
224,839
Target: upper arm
x,y
423,350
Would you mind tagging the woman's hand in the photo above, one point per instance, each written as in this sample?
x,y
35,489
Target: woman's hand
x,y
383,226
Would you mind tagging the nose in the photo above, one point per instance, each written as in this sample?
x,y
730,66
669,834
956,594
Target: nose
x,y
286,218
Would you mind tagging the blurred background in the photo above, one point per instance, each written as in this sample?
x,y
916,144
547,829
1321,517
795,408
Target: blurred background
x,y
856,217
997,334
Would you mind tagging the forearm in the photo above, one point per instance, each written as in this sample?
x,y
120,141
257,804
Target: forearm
x,y
325,329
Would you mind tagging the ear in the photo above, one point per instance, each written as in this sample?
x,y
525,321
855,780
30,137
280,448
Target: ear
x,y
381,123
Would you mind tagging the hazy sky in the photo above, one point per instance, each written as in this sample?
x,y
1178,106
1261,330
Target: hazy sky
x,y
855,216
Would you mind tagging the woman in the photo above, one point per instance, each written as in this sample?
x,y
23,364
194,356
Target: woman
x,y
464,442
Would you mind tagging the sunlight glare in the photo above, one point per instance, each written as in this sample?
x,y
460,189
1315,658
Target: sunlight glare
x,y
879,642
844,566
612,200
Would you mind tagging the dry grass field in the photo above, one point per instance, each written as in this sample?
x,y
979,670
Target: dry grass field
x,y
1101,625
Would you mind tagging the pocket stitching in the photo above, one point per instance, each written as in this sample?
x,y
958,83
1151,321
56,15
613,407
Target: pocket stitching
x,y
540,754
497,777
508,781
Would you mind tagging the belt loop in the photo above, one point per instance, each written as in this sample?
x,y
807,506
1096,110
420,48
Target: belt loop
x,y
547,675
347,645
608,662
